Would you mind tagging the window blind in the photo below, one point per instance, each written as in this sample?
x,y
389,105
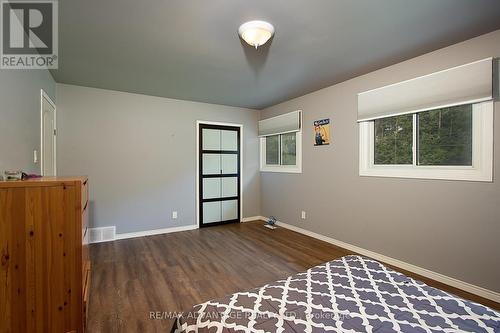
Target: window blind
x,y
464,84
285,123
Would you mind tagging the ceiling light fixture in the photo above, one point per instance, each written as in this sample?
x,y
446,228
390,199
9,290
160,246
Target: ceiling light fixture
x,y
256,33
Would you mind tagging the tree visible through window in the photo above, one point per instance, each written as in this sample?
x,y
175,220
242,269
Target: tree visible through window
x,y
273,150
281,149
444,137
452,143
394,140
288,149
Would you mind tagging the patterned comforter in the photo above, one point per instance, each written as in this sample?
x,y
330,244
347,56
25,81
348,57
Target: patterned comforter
x,y
350,294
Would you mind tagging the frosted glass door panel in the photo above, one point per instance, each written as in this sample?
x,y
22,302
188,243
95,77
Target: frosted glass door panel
x,y
229,140
211,188
212,212
229,210
229,163
211,164
211,139
230,186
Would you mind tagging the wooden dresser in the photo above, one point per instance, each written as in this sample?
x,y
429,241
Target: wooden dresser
x,y
44,260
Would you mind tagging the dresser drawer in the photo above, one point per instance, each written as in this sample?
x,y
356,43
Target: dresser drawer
x,y
85,226
85,194
86,295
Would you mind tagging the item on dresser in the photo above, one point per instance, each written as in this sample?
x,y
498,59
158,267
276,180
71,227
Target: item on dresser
x,y
27,176
10,175
44,261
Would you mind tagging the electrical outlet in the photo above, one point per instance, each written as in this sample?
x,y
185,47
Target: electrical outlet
x,y
303,215
174,214
35,156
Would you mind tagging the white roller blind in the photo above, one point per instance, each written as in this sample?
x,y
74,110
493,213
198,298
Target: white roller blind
x,y
285,123
459,85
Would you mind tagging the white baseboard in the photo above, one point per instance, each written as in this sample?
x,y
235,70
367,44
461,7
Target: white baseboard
x,y
128,235
253,218
473,289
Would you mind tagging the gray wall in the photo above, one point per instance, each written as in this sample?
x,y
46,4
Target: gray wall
x,y
450,227
140,155
20,116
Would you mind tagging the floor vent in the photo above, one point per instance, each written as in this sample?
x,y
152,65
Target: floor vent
x,y
104,234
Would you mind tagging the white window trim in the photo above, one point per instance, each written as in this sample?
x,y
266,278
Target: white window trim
x,y
482,153
282,168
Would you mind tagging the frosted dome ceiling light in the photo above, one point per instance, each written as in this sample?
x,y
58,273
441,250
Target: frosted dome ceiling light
x,y
256,33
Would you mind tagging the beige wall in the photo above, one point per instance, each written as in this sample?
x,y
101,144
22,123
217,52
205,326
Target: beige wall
x,y
450,227
140,155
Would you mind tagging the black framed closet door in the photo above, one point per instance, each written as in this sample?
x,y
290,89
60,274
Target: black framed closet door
x,y
219,174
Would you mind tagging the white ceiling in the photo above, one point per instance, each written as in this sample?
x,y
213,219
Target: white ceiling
x,y
190,49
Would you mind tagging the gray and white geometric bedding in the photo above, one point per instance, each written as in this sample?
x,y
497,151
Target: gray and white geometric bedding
x,y
350,294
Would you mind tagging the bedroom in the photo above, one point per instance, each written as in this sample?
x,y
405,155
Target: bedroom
x,y
366,129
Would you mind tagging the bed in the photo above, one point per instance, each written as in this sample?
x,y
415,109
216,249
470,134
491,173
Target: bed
x,y
350,294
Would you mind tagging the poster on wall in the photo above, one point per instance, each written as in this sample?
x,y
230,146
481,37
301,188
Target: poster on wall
x,y
322,132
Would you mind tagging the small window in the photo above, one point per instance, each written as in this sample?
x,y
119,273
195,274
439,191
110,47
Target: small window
x,y
449,143
281,152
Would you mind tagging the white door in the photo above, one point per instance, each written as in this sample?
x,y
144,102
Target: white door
x,y
48,136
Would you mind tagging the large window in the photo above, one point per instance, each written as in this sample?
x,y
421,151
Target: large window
x,y
281,152
444,137
448,143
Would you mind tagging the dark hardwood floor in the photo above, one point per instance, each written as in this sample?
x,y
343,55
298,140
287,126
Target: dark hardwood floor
x,y
173,272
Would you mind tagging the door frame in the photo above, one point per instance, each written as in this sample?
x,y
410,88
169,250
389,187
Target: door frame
x,y
197,185
44,95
